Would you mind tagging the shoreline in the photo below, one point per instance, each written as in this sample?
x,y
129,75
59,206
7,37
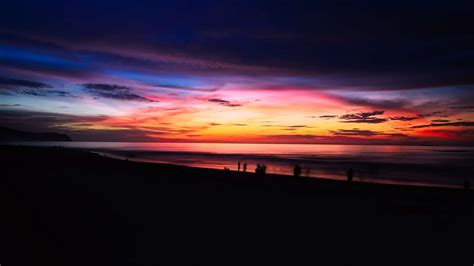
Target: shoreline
x,y
367,170
394,182
220,173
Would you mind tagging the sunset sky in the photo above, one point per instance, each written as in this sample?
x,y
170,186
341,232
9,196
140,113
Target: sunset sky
x,y
377,72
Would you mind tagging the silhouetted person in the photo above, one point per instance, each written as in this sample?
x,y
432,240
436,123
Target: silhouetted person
x,y
467,183
258,169
350,174
238,167
297,170
261,169
245,167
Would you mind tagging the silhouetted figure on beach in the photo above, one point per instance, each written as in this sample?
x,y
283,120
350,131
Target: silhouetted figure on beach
x,y
467,183
245,167
238,167
297,170
261,169
350,174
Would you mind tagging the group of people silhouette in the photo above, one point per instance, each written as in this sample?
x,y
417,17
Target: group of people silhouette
x,y
244,167
261,169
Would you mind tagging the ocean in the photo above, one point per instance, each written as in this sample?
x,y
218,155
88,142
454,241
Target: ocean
x,y
414,165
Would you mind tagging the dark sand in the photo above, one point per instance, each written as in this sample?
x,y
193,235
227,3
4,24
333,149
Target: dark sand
x,y
67,207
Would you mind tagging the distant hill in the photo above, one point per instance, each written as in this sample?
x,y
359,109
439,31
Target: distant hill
x,y
8,134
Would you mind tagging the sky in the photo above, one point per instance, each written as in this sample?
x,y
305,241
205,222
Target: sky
x,y
346,72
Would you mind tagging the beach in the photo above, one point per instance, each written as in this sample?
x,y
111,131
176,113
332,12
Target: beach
x,y
441,166
64,206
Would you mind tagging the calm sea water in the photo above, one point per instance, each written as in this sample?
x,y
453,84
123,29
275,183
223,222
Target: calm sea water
x,y
416,165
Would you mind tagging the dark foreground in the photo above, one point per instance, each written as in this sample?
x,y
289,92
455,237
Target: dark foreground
x,y
66,207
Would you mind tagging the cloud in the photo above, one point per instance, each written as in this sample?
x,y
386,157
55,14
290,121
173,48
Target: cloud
x,y
327,116
450,124
297,126
354,132
440,120
364,117
433,114
44,93
223,102
364,133
183,88
395,134
403,118
382,104
345,56
11,105
32,88
114,92
22,83
462,107
467,109
292,136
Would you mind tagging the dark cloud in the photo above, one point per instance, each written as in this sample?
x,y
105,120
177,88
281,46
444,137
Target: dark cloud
x,y
33,88
462,107
223,102
467,108
45,93
114,92
395,134
22,83
364,133
217,100
183,88
403,118
292,127
240,125
364,117
382,104
451,124
297,126
292,136
11,105
354,132
433,114
327,116
440,120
